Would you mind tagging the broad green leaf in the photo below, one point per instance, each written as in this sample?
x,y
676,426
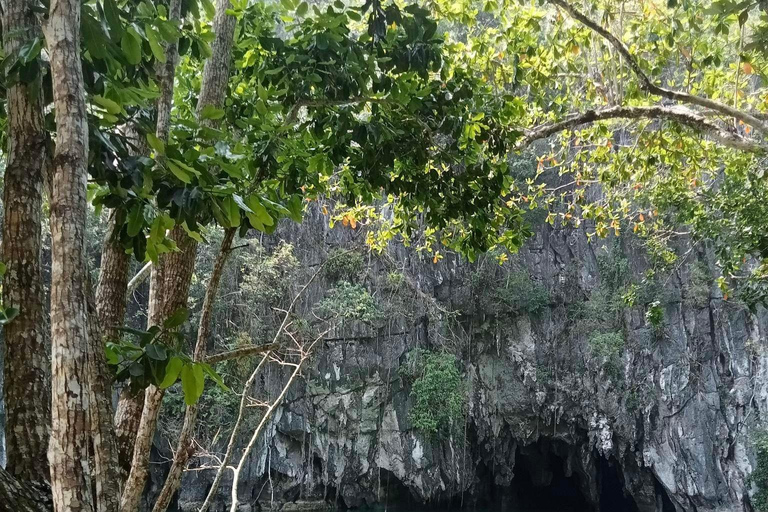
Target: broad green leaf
x,y
156,352
208,7
154,43
302,9
172,370
180,173
110,106
130,43
112,14
189,384
30,50
211,112
156,144
135,220
177,318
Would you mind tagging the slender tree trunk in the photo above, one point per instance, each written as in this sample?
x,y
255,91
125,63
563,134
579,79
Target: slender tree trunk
x,y
113,281
165,277
27,351
131,403
68,451
184,448
216,71
170,280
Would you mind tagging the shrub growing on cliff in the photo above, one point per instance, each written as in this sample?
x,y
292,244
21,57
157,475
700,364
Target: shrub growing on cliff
x,y
515,292
438,393
759,477
608,347
343,264
349,301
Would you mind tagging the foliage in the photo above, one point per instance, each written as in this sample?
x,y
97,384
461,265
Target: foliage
x,y
510,292
343,264
438,391
608,347
759,476
351,302
267,278
157,359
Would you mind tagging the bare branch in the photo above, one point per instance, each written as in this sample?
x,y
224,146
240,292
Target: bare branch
x,y
675,113
648,85
139,278
241,352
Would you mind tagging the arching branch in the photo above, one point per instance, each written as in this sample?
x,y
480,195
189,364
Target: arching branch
x,y
679,114
648,85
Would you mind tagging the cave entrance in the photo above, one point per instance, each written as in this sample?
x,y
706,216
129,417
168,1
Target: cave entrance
x,y
612,495
542,484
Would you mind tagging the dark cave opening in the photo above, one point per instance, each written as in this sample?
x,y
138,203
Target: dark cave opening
x,y
612,495
541,483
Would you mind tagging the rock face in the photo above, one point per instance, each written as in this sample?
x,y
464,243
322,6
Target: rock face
x,y
644,414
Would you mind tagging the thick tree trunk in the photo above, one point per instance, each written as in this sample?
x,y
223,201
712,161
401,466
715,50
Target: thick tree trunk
x,y
70,427
27,352
17,496
184,448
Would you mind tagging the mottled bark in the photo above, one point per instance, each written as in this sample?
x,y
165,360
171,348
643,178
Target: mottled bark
x,y
113,281
213,89
19,496
171,278
106,475
70,427
27,362
184,449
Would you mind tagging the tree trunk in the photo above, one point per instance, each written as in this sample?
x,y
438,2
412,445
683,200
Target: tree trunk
x,y
107,477
131,404
113,282
213,89
27,351
171,278
184,448
68,451
16,496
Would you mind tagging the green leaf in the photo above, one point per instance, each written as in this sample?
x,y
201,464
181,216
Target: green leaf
x,y
213,375
156,352
260,215
30,50
110,106
189,384
302,9
154,43
180,173
156,144
209,8
3,268
172,370
135,220
130,43
112,14
177,318
211,112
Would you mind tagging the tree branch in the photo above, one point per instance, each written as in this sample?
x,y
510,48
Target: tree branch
x,y
646,83
674,113
241,352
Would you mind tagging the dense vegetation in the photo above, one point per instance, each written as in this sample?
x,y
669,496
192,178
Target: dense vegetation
x,y
448,126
